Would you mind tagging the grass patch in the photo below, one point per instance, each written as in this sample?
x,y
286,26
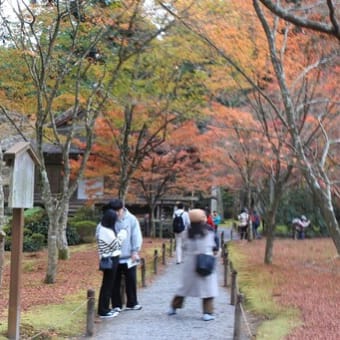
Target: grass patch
x,y
279,327
257,283
53,321
68,319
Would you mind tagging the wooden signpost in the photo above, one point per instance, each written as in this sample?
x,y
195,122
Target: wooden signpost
x,y
22,160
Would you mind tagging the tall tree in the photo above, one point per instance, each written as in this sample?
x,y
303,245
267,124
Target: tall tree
x,y
2,219
170,169
159,88
73,54
314,147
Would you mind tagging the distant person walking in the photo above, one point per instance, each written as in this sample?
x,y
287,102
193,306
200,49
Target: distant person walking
x,y
109,246
181,222
255,222
210,220
216,219
299,227
243,219
129,257
198,238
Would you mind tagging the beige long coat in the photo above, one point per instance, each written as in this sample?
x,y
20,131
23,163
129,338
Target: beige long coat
x,y
192,284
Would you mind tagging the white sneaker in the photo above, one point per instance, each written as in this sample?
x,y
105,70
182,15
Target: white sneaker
x,y
172,311
135,307
208,317
108,315
117,309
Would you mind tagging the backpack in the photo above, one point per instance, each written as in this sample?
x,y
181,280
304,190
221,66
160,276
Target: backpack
x,y
256,220
178,224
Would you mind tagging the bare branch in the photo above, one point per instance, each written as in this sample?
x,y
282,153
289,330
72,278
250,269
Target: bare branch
x,y
329,29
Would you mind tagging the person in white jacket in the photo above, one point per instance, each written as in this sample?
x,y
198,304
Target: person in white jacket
x,y
179,236
109,245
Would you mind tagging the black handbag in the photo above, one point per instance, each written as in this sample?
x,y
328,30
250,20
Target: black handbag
x,y
105,263
205,264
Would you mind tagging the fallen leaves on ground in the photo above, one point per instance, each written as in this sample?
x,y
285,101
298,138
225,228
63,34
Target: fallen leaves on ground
x,y
79,273
310,272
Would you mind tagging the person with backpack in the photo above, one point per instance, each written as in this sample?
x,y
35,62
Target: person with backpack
x,y
181,222
255,222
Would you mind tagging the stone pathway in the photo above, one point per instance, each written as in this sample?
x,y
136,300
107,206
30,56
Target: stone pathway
x,y
152,322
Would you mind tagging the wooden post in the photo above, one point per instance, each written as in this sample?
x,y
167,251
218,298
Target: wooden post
x,y
237,319
15,279
22,159
163,254
155,261
227,272
222,250
90,312
231,234
222,239
142,269
226,264
171,247
226,253
233,292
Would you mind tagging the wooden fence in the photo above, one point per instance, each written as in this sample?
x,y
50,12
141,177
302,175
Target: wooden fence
x,y
236,297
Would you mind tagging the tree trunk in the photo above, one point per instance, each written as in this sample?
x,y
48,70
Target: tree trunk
x,y
314,170
332,224
52,262
153,224
270,223
2,254
63,248
2,219
268,256
276,191
324,200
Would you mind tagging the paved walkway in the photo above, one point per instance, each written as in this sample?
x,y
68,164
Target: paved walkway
x,y
152,322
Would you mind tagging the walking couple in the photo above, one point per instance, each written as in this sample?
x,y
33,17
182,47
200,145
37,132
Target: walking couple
x,y
118,237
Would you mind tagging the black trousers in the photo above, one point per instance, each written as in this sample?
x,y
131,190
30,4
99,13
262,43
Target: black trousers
x,y
243,232
107,287
130,277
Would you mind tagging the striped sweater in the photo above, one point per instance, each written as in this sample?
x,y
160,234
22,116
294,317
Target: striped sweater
x,y
108,243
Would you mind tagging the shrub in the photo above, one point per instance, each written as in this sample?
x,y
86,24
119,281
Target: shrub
x,y
34,242
72,236
85,229
36,231
85,214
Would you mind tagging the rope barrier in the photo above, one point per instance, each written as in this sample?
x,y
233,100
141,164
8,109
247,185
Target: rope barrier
x,y
73,312
245,320
155,263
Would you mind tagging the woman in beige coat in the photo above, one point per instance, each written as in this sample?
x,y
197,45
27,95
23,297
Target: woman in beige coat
x,y
198,238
